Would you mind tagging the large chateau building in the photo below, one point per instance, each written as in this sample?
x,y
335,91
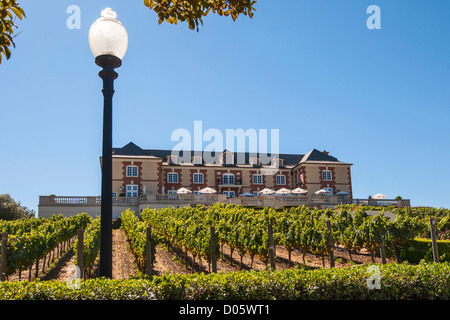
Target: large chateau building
x,y
147,178
138,171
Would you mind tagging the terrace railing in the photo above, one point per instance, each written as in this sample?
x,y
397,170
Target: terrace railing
x,y
268,201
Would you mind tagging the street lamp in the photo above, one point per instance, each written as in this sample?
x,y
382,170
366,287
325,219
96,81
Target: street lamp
x,y
108,40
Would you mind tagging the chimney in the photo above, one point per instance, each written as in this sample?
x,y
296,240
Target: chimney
x,y
325,152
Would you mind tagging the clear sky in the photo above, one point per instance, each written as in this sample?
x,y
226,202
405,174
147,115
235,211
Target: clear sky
x,y
378,99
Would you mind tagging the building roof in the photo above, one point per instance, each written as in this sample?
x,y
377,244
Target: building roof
x,y
314,155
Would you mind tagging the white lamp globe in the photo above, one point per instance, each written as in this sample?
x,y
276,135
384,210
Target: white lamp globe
x,y
108,37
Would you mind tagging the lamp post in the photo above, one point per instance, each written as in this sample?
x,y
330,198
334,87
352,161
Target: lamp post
x,y
108,41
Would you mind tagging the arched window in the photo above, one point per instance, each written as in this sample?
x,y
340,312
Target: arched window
x,y
228,178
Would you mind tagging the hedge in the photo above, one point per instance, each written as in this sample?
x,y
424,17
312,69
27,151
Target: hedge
x,y
421,249
398,281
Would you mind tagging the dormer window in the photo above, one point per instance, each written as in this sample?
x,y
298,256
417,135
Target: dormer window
x,y
254,162
278,163
172,159
228,159
197,160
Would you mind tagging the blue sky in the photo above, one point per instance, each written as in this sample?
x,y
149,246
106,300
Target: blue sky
x,y
378,99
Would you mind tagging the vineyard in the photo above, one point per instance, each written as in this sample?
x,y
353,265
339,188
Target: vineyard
x,y
31,240
224,239
243,232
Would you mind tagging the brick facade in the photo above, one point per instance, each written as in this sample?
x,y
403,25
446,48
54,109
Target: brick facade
x,y
307,167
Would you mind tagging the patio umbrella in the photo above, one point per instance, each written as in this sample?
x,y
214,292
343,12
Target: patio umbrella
x,y
207,190
342,193
299,191
379,196
184,190
322,191
247,194
283,191
267,191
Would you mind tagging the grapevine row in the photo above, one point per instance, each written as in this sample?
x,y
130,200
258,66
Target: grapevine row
x,y
91,244
183,230
30,244
136,232
244,230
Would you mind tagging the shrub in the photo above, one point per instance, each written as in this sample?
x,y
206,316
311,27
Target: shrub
x,y
398,282
421,249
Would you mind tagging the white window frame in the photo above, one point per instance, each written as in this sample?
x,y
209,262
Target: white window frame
x,y
132,190
132,171
257,179
327,175
172,177
197,160
228,159
196,178
230,194
171,191
281,180
330,191
226,177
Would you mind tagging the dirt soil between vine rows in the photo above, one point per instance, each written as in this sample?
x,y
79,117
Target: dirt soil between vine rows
x,y
124,264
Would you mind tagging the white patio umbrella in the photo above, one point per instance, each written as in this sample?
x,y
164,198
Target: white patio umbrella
x,y
299,191
283,191
322,191
184,191
379,196
207,190
266,191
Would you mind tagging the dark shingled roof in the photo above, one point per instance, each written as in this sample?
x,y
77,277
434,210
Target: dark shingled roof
x,y
289,159
316,155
